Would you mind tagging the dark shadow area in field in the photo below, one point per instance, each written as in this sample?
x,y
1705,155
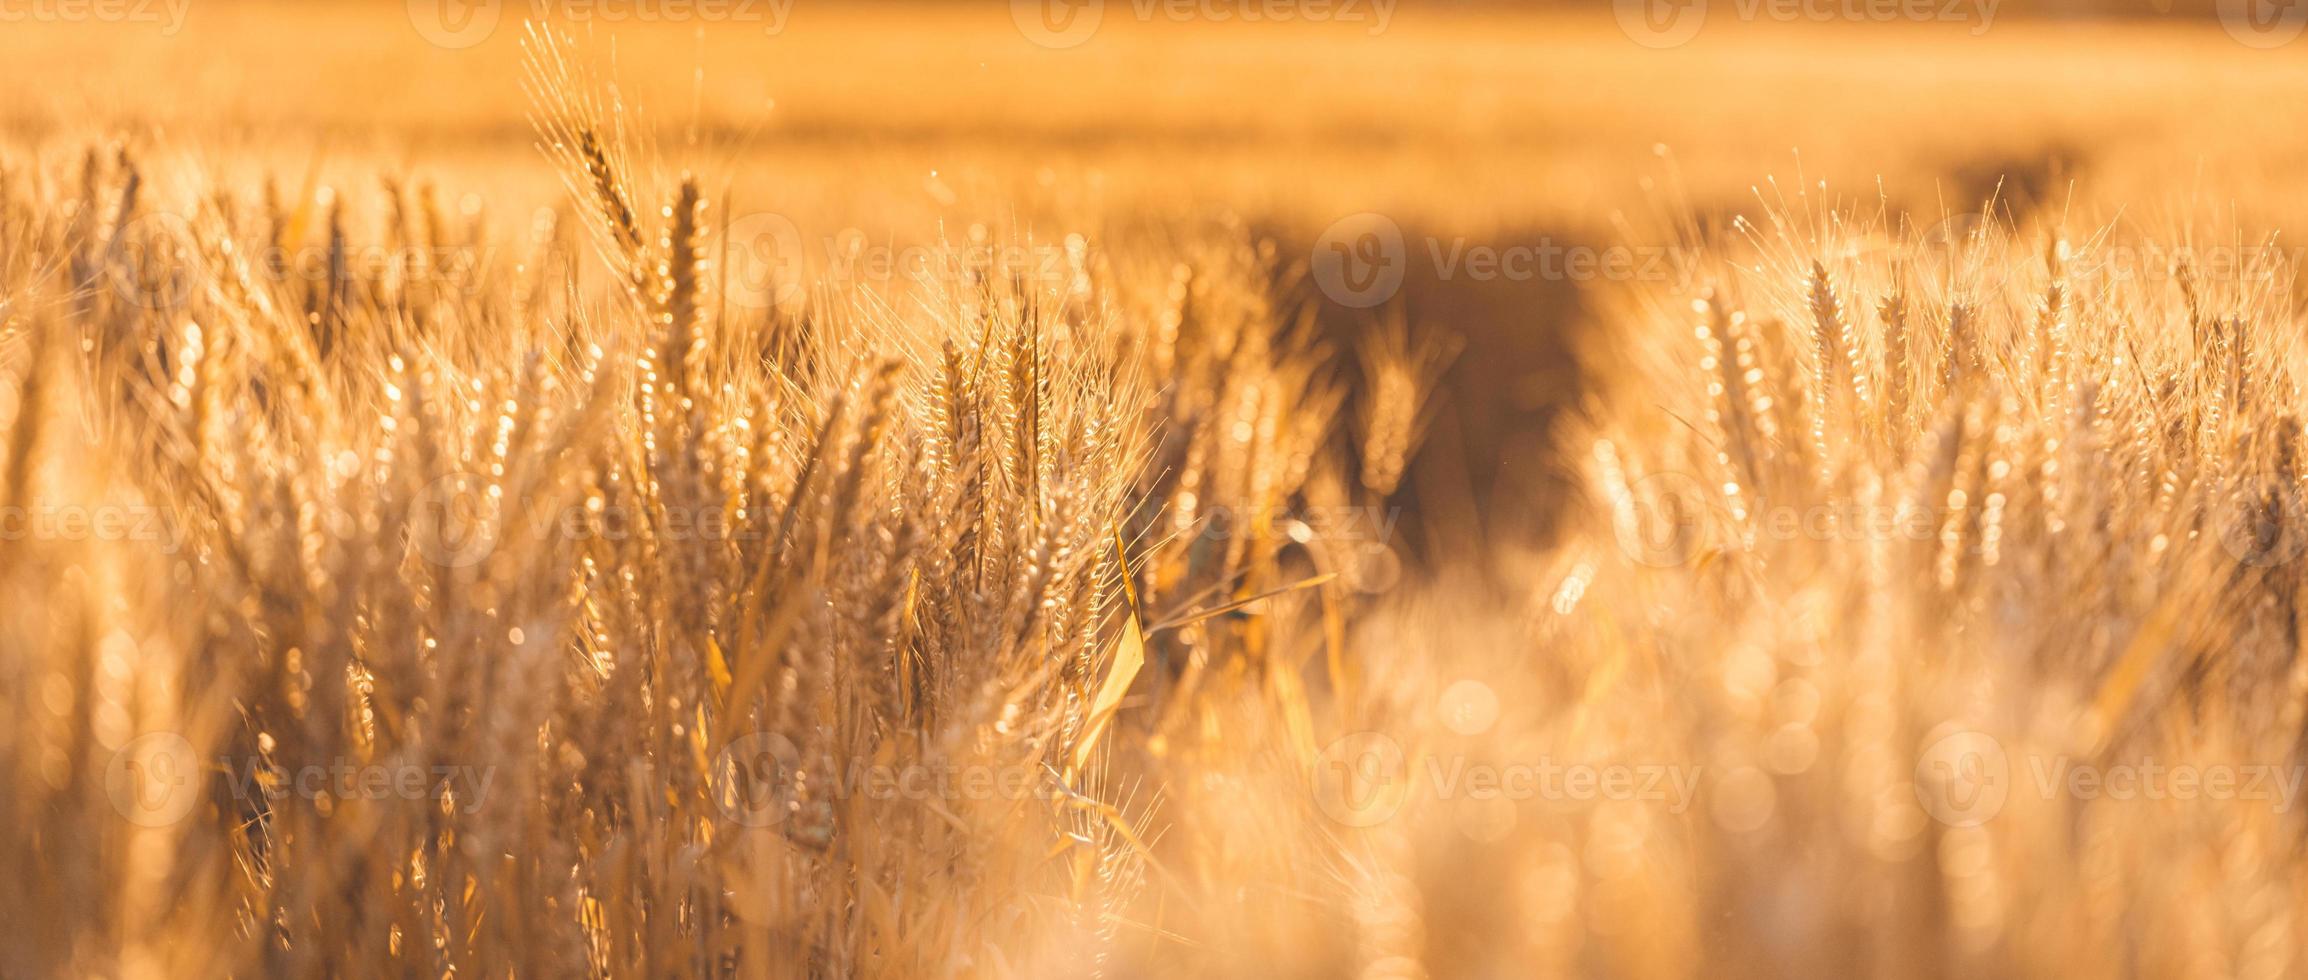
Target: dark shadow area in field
x,y
2019,183
1490,468
1487,471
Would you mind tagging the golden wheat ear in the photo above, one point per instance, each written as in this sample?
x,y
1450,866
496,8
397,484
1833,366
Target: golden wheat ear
x,y
581,127
1400,371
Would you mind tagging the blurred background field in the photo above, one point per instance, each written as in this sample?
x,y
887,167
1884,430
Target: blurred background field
x,y
1467,125
1471,119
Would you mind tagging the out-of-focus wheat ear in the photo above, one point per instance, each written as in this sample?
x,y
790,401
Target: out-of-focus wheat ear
x,y
678,345
2174,457
80,234
435,234
1728,408
815,461
1021,414
1761,409
2238,393
1048,370
1047,584
1625,507
2051,359
2002,478
878,616
31,407
1959,527
91,186
131,186
947,386
2286,504
2215,365
681,279
406,270
2293,716
515,443
187,390
1898,358
1390,408
2050,342
276,223
1939,456
1963,360
1843,373
400,234
2123,413
2090,436
1400,374
873,426
2184,273
326,315
2282,465
1778,353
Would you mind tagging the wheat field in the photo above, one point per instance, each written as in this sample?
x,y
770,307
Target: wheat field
x,y
757,490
